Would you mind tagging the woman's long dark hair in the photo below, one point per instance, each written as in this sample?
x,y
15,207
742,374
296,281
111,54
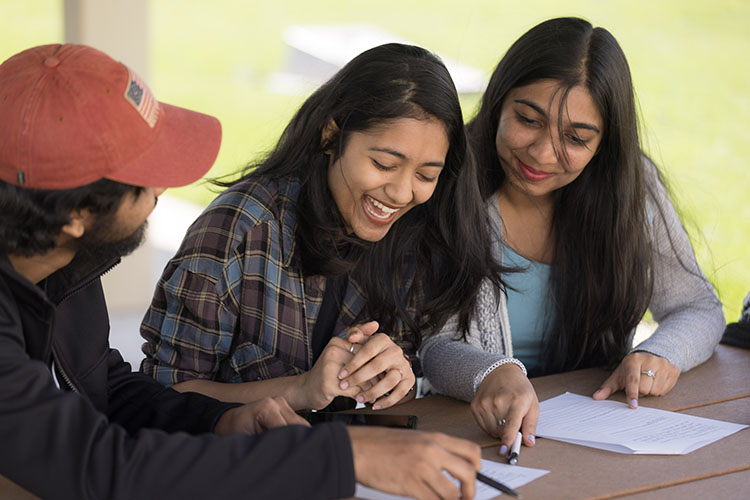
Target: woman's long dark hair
x,y
443,242
601,276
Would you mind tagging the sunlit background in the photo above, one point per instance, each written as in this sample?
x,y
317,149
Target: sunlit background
x,y
233,59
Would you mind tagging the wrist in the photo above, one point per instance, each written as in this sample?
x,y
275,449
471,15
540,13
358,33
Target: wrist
x,y
295,391
224,424
494,366
358,442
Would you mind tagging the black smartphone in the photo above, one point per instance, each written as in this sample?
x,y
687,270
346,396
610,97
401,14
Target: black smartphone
x,y
383,420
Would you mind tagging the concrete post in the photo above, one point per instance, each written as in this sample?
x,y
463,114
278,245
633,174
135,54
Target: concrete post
x,y
117,27
120,28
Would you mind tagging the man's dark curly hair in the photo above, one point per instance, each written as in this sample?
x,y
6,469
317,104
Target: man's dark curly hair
x,y
31,219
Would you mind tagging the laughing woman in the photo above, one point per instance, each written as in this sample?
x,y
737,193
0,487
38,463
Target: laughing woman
x,y
587,225
313,274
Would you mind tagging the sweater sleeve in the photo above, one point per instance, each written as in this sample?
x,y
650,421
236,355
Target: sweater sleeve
x,y
456,367
684,304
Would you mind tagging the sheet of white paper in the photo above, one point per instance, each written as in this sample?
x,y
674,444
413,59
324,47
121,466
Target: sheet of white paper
x,y
514,476
613,426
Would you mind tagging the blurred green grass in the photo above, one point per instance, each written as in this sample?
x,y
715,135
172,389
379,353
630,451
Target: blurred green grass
x,y
688,59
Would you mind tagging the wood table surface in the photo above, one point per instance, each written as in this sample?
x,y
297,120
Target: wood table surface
x,y
718,389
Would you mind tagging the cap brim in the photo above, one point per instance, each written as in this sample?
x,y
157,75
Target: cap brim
x,y
184,151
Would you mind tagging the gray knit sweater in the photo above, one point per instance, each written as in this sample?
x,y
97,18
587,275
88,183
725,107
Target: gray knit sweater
x,y
683,303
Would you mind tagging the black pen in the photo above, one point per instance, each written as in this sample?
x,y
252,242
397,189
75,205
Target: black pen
x,y
497,485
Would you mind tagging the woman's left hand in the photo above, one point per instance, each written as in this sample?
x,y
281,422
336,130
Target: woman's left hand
x,y
378,362
640,373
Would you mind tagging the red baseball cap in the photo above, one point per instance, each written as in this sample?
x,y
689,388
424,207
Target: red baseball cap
x,y
71,115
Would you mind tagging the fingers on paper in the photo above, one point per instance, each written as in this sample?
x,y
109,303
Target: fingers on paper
x,y
443,487
439,486
609,387
628,379
464,472
437,453
463,460
633,382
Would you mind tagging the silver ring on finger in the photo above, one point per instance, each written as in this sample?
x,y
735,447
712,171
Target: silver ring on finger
x,y
648,373
501,421
351,348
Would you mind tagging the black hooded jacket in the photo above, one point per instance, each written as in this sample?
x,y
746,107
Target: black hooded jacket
x,y
110,433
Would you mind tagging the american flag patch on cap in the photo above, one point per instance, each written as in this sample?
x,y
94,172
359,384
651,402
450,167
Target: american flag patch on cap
x,y
140,96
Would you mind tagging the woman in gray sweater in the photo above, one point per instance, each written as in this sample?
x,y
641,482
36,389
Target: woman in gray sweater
x,y
587,233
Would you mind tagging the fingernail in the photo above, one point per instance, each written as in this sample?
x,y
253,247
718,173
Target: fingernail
x,y
343,374
532,439
634,403
360,398
344,384
377,407
503,451
597,392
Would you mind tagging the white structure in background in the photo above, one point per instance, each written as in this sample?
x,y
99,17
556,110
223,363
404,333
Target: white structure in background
x,y
121,30
316,52
118,28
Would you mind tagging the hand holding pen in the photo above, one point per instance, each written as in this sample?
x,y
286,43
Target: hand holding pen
x,y
505,403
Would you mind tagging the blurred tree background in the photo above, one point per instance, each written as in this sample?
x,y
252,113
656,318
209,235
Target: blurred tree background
x,y
688,59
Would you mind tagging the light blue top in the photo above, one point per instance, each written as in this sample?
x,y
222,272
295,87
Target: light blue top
x,y
528,305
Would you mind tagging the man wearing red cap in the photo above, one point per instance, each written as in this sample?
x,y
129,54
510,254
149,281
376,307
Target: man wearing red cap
x,y
85,151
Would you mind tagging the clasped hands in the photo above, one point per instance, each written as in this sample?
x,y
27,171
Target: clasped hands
x,y
366,366
505,401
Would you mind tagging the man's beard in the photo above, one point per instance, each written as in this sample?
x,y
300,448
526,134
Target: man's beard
x,y
97,246
102,244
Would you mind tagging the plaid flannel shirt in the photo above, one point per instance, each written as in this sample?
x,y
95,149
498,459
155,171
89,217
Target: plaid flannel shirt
x,y
233,304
